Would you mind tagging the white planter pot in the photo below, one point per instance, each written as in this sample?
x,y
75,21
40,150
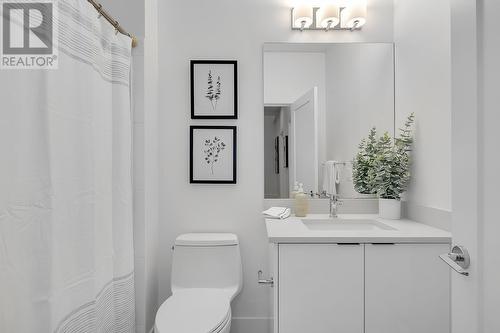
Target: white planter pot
x,y
389,209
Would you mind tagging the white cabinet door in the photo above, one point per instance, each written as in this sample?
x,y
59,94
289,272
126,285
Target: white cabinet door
x,y
407,289
320,288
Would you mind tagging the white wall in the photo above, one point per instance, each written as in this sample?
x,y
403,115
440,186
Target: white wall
x,y
227,29
423,86
151,163
289,75
130,14
359,95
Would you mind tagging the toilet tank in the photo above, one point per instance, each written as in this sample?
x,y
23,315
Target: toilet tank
x,y
207,260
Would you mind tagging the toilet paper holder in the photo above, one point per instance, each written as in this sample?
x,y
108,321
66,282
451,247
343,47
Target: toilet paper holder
x,y
261,280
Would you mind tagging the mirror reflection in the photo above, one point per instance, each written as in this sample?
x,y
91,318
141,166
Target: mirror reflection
x,y
320,100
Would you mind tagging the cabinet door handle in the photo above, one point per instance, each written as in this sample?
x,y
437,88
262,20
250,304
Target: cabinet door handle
x,y
458,259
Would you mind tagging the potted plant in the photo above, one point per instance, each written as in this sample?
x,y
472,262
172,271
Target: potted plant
x,y
383,167
364,164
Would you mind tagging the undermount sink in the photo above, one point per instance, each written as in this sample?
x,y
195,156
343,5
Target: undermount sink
x,y
344,224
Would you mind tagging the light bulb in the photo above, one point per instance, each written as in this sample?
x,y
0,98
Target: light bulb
x,y
302,16
354,15
328,16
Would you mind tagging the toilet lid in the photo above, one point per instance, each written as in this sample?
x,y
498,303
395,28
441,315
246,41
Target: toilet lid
x,y
193,311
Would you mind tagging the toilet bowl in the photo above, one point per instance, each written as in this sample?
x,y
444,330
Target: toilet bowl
x,y
206,276
195,311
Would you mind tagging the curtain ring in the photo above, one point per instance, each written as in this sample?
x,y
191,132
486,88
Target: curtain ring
x,y
99,11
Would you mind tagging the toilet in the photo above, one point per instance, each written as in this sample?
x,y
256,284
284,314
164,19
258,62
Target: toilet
x,y
206,276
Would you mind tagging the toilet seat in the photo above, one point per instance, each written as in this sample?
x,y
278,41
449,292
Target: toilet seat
x,y
194,310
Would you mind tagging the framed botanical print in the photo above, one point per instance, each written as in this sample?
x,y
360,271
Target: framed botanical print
x,y
212,155
214,89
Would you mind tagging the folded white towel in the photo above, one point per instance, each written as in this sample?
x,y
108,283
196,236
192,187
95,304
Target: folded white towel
x,y
277,212
336,168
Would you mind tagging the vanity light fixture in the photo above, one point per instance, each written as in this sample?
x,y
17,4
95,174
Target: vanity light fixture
x,y
350,16
302,17
354,16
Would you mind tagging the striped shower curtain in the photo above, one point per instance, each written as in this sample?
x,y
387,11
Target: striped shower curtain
x,y
66,243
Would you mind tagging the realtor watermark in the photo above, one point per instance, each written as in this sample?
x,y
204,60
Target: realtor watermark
x,y
29,34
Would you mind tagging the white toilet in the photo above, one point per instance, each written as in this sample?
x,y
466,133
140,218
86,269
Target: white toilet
x,y
206,276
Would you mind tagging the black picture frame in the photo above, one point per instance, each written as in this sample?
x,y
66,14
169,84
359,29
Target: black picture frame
x,y
196,180
286,151
193,64
277,155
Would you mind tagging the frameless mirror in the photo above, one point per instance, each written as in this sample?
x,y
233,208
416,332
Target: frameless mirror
x,y
320,100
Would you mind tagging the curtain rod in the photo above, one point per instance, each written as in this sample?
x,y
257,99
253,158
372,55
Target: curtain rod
x,y
113,22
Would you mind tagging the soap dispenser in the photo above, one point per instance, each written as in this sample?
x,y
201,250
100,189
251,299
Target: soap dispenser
x,y
295,190
301,202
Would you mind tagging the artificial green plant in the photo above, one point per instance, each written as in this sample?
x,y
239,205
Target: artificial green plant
x,y
382,167
364,162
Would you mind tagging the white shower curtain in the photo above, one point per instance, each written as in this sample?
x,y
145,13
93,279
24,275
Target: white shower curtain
x,y
66,243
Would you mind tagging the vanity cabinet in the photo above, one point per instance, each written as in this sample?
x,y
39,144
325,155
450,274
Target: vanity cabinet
x,y
320,288
407,289
361,288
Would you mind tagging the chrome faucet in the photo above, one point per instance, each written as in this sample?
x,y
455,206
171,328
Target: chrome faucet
x,y
334,204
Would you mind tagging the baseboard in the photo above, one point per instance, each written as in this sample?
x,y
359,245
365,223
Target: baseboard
x,y
251,325
434,217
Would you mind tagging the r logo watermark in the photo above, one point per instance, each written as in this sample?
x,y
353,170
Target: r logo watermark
x,y
29,34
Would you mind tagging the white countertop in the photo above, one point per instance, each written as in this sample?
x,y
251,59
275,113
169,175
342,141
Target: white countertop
x,y
292,230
